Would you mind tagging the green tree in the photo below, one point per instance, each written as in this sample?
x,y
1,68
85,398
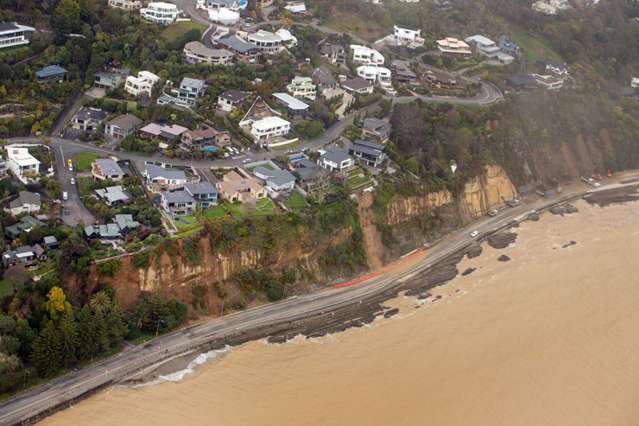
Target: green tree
x,y
66,16
47,350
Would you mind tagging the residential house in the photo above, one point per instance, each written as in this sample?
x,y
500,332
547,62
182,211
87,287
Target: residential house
x,y
13,34
51,73
234,5
381,76
237,188
186,95
122,225
508,46
158,177
106,168
408,37
178,203
244,51
111,79
26,202
366,55
22,164
376,129
126,4
204,193
204,139
231,100
302,87
268,128
267,42
3,167
402,72
441,79
88,119
324,79
160,13
559,70
335,159
197,53
549,81
288,39
294,106
489,48
312,178
165,134
24,255
335,53
25,225
142,85
50,242
454,47
113,195
122,126
295,7
275,179
126,223
358,85
370,153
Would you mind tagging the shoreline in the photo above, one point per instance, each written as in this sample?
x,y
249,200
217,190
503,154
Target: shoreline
x,y
366,303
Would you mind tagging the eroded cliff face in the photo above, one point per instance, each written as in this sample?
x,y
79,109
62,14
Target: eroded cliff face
x,y
480,195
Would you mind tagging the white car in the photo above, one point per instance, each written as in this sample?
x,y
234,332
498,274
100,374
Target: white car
x,y
65,196
72,181
474,234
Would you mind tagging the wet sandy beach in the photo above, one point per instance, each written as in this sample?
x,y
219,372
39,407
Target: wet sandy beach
x,y
550,337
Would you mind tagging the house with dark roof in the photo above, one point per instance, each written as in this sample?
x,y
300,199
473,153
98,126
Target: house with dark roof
x,y
207,139
376,129
51,73
24,255
324,79
335,53
275,179
178,203
508,46
24,225
111,79
122,126
158,177
88,119
231,100
13,34
358,85
244,51
113,195
106,168
402,72
26,202
335,159
311,177
122,225
204,193
369,153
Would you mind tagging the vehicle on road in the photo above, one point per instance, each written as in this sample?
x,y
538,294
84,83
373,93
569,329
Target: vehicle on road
x,y
493,213
474,234
72,181
70,164
65,196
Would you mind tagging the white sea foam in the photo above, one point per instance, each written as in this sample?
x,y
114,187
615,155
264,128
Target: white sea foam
x,y
202,358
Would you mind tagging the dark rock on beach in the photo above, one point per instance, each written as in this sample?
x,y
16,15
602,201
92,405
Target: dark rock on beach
x,y
469,271
473,251
533,216
391,312
503,258
568,244
502,239
563,209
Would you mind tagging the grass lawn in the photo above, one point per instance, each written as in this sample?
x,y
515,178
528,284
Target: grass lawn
x,y
172,32
367,29
6,288
535,49
82,161
185,222
215,212
296,201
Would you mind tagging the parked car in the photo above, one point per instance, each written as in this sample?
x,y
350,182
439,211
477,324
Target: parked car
x,y
474,234
65,196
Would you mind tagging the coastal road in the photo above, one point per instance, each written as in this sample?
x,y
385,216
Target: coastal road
x,y
46,398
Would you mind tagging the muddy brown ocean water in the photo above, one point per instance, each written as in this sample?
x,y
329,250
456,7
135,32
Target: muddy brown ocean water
x,y
549,338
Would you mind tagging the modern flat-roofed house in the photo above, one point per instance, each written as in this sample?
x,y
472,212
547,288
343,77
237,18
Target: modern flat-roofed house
x,y
268,128
158,177
237,188
160,13
302,87
204,139
126,4
113,195
187,94
275,180
111,79
408,37
51,73
489,48
122,126
366,55
231,100
508,46
454,47
88,119
549,81
178,203
106,168
369,153
381,76
376,129
22,164
142,85
234,5
197,53
204,193
245,52
358,85
335,159
295,7
13,34
294,106
26,202
266,41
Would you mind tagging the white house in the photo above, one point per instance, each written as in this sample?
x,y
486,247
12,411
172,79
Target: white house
x,y
295,7
275,180
160,13
13,34
197,53
366,55
224,16
407,37
126,4
302,87
269,127
158,177
489,48
27,202
335,160
266,41
381,76
21,163
142,85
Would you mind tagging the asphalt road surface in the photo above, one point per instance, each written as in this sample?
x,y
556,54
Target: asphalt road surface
x,y
117,368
